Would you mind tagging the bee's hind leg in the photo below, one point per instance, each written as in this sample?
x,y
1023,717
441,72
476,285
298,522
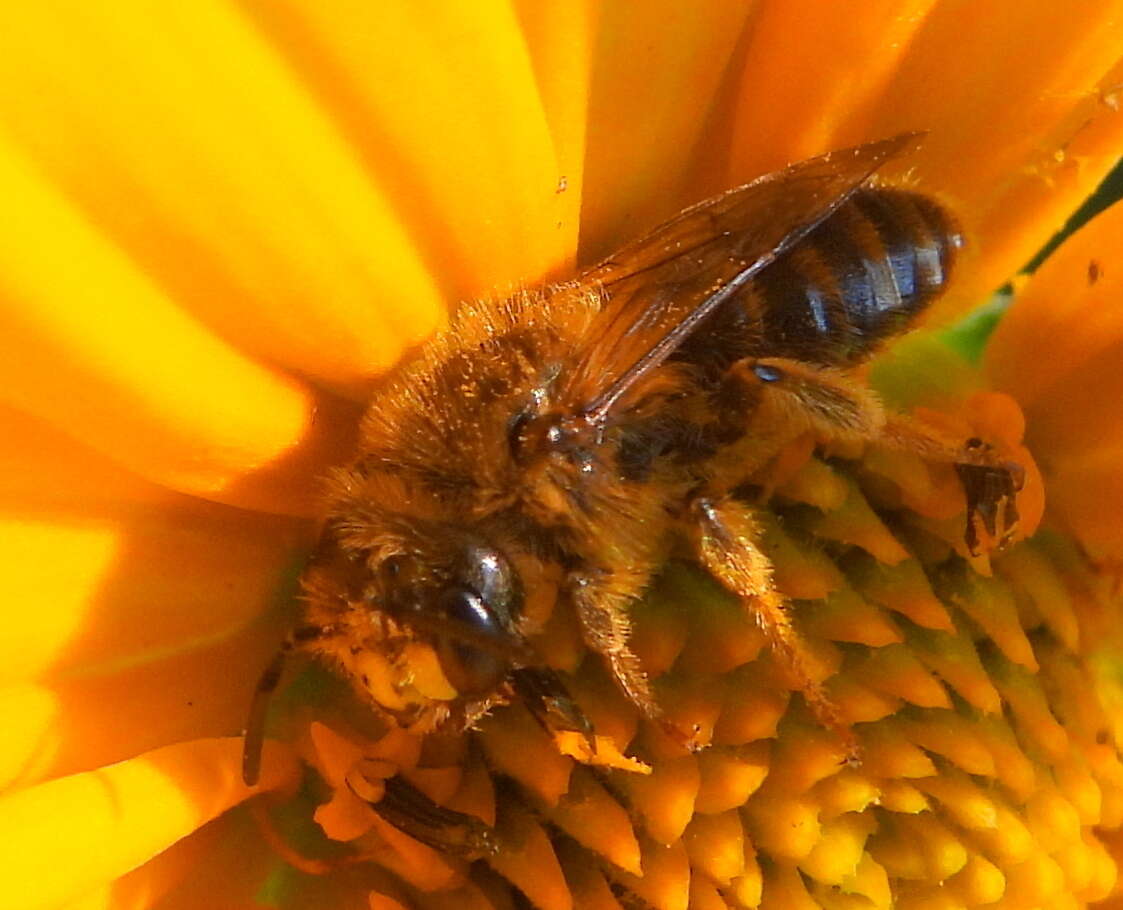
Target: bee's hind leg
x,y
992,499
725,540
990,482
794,397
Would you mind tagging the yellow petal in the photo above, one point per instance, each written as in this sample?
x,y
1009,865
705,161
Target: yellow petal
x,y
93,347
129,812
137,586
191,144
561,40
30,713
478,189
120,586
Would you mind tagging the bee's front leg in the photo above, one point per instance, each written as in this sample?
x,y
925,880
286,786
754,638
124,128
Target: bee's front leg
x,y
601,599
725,540
549,701
409,810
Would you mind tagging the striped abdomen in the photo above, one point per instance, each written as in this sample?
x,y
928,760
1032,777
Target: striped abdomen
x,y
857,280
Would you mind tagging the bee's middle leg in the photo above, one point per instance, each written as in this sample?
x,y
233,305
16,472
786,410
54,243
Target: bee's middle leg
x,y
725,541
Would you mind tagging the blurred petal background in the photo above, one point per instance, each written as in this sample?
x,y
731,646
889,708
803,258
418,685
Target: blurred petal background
x,y
225,219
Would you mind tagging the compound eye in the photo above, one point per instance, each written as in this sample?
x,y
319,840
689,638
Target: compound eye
x,y
473,669
766,373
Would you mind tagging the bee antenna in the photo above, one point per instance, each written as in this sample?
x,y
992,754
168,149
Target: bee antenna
x,y
254,738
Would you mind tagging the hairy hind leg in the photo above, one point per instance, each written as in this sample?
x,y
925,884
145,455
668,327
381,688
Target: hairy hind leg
x,y
990,482
795,398
725,536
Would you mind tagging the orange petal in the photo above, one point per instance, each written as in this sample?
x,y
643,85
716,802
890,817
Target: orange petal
x,y
226,860
135,588
109,570
81,722
561,40
1059,351
794,97
44,471
62,839
654,79
205,159
1016,139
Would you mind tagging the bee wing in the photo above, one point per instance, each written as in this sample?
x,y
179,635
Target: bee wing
x,y
661,287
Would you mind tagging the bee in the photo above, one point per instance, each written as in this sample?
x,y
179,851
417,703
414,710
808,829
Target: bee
x,y
550,451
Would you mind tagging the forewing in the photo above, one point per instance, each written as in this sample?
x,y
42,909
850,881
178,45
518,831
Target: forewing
x,y
661,287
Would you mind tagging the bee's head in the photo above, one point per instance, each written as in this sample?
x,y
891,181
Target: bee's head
x,y
400,596
419,612
463,596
